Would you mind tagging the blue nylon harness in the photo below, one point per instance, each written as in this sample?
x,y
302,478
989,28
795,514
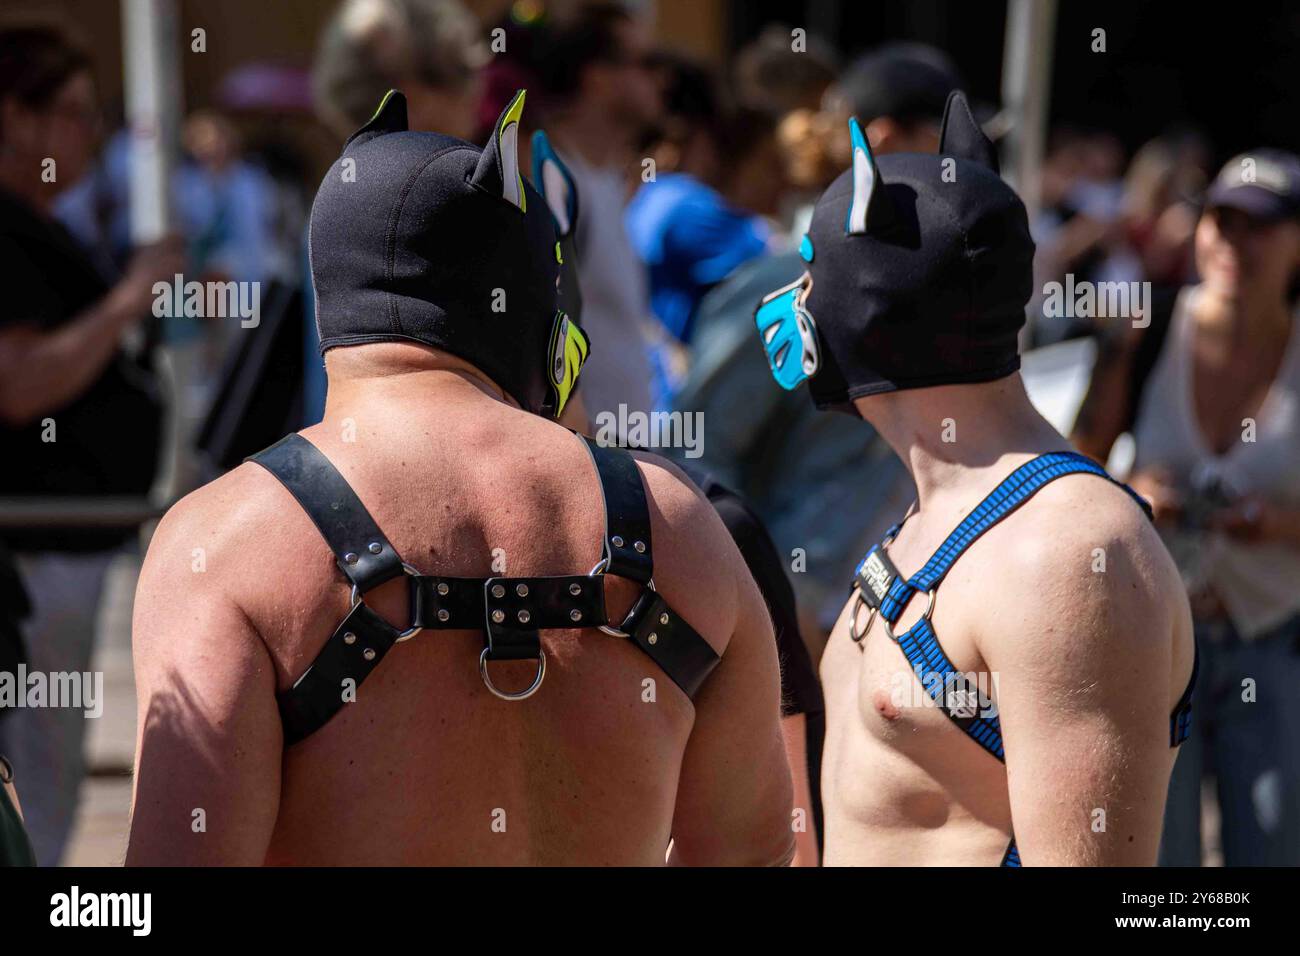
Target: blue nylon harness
x,y
878,584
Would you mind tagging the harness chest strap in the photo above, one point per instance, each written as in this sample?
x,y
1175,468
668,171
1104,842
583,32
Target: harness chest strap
x,y
879,585
511,610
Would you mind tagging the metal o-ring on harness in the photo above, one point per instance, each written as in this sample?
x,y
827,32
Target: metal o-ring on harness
x,y
411,631
859,601
600,567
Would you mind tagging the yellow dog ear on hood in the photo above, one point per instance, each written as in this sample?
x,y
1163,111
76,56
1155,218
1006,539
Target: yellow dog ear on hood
x,y
389,117
498,167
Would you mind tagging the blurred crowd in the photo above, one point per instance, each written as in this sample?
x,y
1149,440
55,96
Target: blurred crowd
x,y
695,184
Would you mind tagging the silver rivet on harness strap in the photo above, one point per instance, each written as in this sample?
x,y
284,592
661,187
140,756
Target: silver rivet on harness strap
x,y
376,547
524,617
368,653
639,546
498,617
498,590
444,614
521,590
575,589
442,588
349,638
575,615
351,558
617,541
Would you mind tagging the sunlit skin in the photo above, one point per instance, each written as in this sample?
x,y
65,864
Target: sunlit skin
x,y
1085,666
416,770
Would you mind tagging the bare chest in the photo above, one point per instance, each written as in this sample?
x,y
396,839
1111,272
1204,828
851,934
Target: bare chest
x,y
894,755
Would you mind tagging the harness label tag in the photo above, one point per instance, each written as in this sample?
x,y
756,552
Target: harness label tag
x,y
875,574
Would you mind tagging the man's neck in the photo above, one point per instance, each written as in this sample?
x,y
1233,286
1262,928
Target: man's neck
x,y
952,437
412,375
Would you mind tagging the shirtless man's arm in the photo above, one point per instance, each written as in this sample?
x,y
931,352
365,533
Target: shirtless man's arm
x,y
734,796
1083,659
209,731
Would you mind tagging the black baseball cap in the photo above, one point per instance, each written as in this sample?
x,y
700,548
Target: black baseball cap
x,y
906,81
1265,183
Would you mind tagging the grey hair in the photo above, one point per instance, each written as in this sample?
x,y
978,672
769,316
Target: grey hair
x,y
370,46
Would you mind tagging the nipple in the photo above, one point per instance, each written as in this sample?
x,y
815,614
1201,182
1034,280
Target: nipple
x,y
884,704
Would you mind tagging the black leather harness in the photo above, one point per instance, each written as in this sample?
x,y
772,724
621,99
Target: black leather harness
x,y
511,611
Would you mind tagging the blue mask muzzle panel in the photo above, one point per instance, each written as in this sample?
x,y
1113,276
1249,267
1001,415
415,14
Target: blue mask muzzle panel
x,y
788,334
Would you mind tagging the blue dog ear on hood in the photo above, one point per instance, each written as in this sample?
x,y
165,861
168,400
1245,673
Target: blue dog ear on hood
x,y
554,181
870,210
390,117
962,137
498,166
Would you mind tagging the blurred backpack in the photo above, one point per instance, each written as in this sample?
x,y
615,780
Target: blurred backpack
x,y
259,393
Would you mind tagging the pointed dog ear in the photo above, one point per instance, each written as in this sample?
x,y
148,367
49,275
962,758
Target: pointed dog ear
x,y
554,181
870,209
962,137
498,166
390,117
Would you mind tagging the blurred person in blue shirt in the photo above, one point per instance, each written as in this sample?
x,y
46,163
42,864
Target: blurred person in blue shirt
x,y
717,173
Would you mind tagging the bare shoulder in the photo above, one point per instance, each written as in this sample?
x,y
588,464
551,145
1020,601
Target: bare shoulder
x,y
234,510
683,507
217,543
706,560
1081,560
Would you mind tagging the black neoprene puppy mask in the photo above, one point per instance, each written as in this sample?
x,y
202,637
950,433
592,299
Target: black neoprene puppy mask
x,y
919,269
421,237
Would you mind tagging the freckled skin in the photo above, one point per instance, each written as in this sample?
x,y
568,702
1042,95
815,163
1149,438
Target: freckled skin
x,y
606,763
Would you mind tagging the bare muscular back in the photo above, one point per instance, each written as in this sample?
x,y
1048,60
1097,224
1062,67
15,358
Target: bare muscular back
x,y
1086,667
602,766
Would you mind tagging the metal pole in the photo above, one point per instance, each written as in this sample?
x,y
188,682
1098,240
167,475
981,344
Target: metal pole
x,y
150,45
105,512
151,49
1026,93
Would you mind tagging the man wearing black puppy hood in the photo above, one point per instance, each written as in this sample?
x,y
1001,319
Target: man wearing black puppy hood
x,y
436,627
1013,670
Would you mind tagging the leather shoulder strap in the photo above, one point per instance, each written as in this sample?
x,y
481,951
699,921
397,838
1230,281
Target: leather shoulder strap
x,y
360,548
627,517
661,633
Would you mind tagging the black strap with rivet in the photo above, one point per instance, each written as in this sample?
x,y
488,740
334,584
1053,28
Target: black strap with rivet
x,y
627,518
511,611
360,548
